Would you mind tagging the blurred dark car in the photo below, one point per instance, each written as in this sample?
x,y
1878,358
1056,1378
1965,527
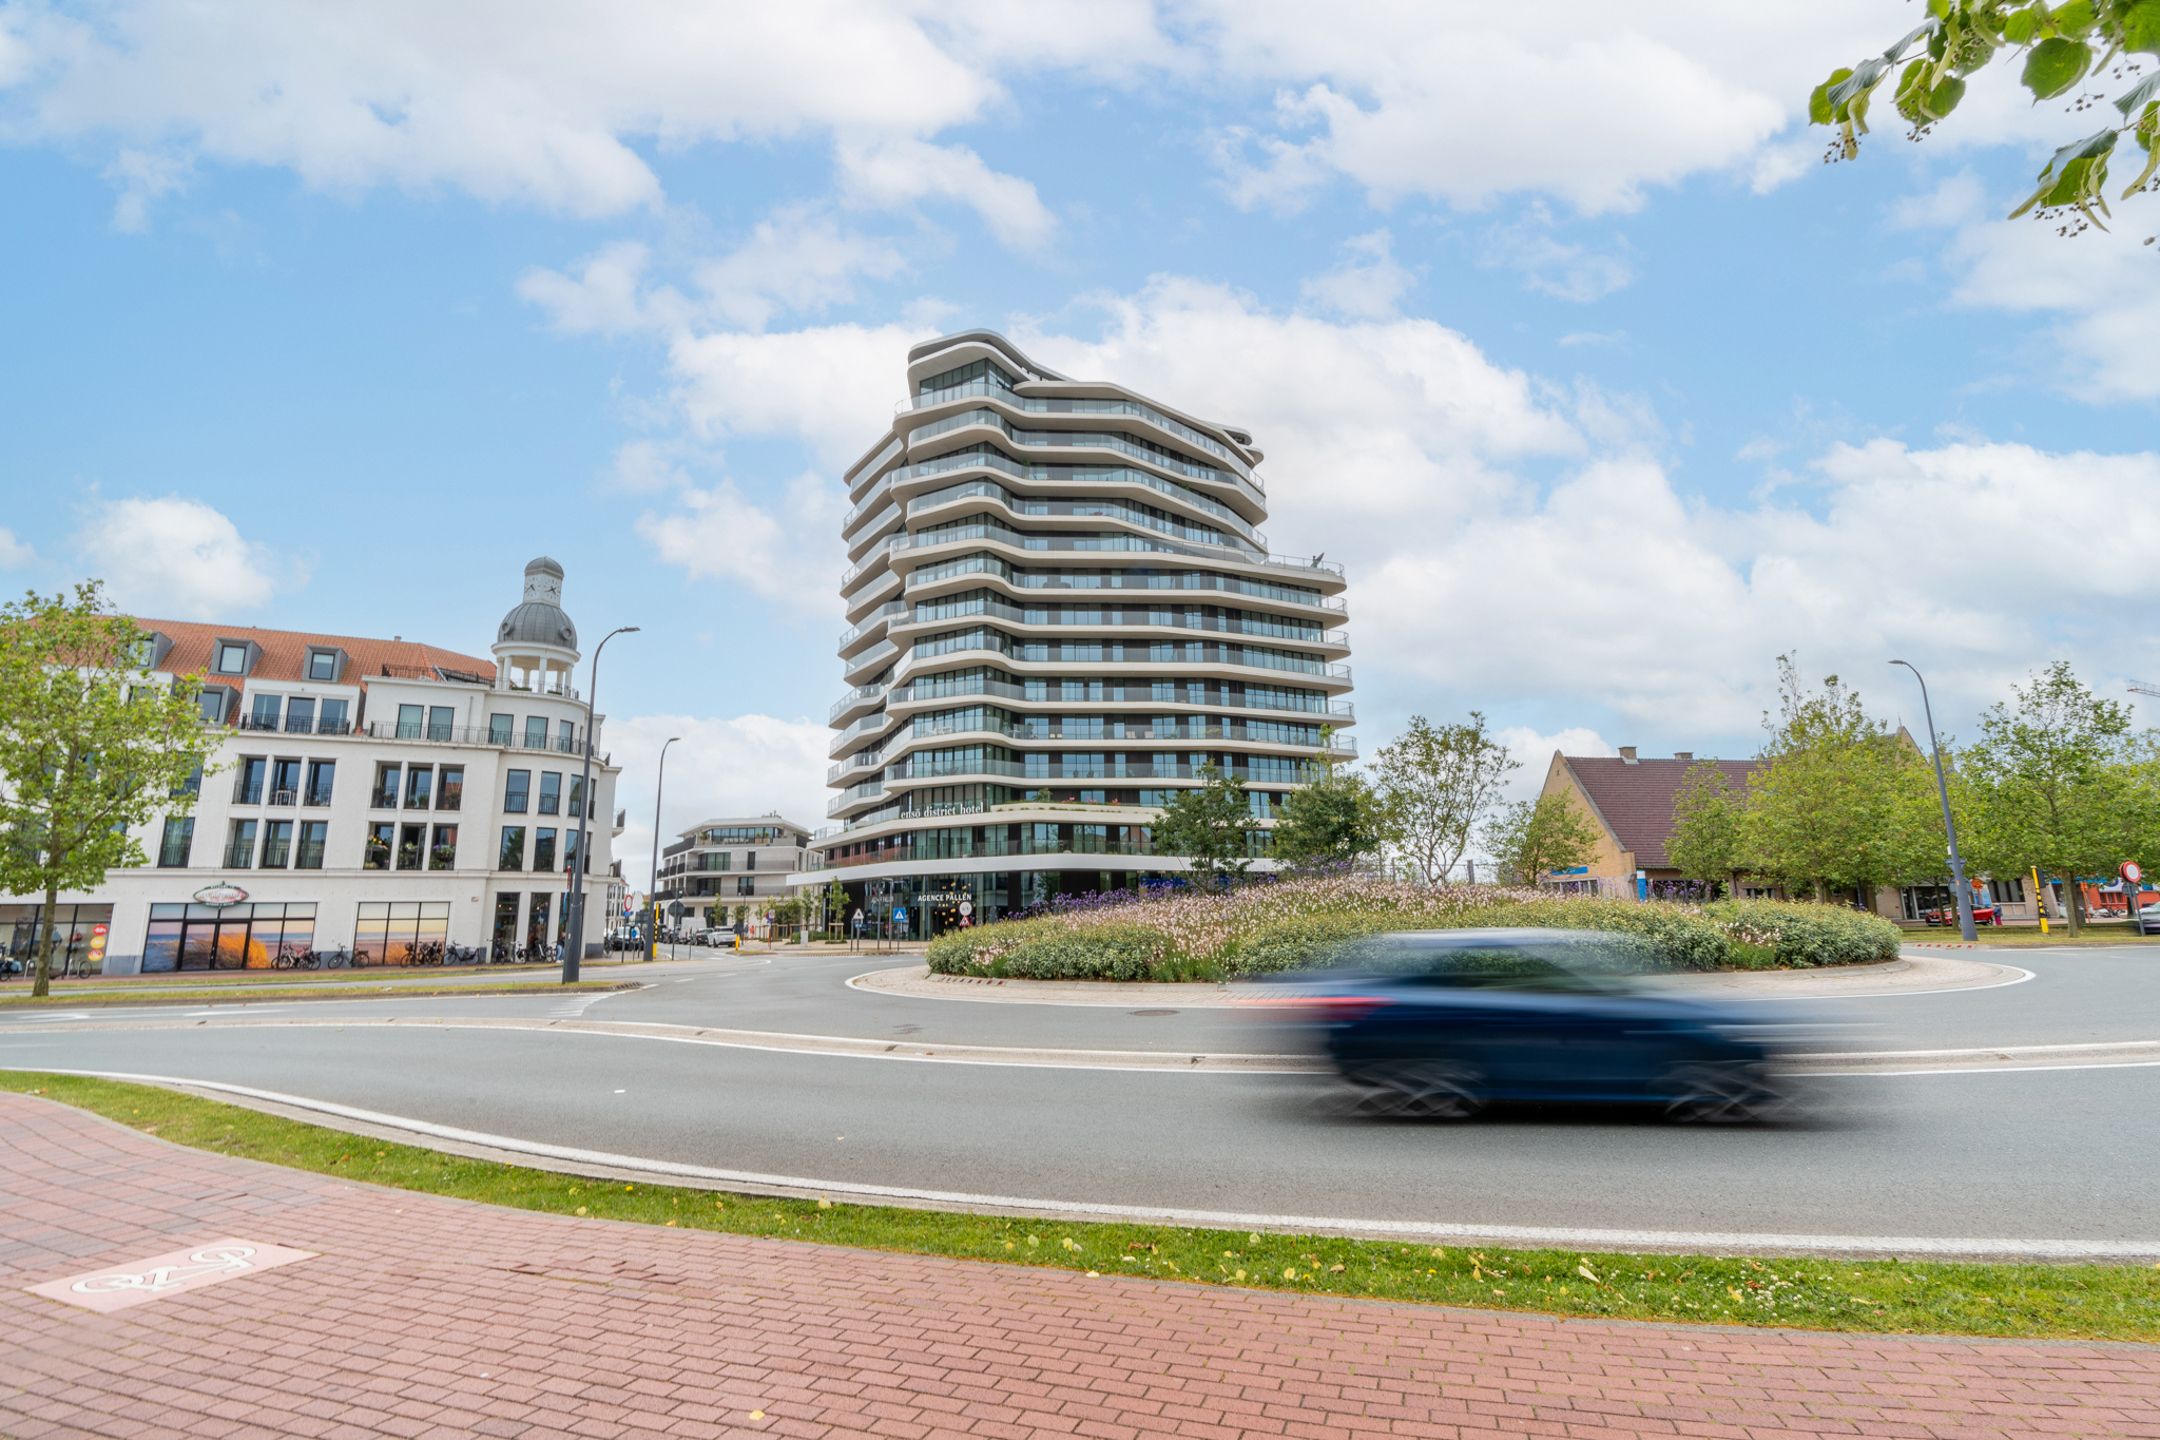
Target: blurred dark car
x,y
1440,1024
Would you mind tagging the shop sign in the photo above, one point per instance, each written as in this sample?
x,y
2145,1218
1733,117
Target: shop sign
x,y
217,897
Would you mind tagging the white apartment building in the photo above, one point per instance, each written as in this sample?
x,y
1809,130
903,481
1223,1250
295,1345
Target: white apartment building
x,y
373,794
1063,610
740,860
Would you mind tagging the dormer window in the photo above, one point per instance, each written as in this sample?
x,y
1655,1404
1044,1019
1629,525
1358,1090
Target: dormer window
x,y
322,665
232,657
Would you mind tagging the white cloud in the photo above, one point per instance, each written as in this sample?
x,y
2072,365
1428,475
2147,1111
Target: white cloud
x,y
2098,286
14,552
1549,265
142,177
787,552
180,559
828,385
606,296
901,171
1369,283
722,766
645,467
536,102
795,260
1582,100
1533,750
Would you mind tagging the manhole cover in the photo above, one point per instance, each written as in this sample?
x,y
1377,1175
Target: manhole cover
x,y
1151,1012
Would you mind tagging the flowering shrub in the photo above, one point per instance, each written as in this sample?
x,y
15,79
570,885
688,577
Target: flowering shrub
x,y
1285,924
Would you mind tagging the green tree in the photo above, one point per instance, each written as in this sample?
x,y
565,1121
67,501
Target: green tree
x,y
2057,47
91,745
836,907
1333,820
2061,781
1831,805
1708,839
1535,837
1209,825
1433,785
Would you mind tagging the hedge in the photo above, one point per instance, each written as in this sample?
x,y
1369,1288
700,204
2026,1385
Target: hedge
x,y
1288,925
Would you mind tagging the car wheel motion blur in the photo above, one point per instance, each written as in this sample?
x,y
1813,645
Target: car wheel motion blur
x,y
1416,1090
1721,1094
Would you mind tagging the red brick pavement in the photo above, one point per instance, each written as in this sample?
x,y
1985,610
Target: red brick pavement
x,y
434,1318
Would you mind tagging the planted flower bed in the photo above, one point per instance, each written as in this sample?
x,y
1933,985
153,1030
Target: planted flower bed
x,y
1260,927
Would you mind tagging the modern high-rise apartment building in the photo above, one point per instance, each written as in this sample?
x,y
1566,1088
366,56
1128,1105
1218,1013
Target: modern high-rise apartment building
x,y
1062,609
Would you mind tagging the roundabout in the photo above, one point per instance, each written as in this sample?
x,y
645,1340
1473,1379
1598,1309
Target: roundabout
x,y
2004,1115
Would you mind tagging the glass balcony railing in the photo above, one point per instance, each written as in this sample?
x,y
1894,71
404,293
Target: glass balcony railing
x,y
1075,405
1087,510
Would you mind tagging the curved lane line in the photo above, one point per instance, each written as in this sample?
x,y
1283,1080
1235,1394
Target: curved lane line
x,y
1534,1235
2095,1055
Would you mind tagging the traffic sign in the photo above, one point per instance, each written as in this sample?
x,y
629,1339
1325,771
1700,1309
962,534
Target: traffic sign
x,y
2131,871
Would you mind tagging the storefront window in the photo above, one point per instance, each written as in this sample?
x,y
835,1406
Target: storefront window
x,y
391,930
536,925
22,932
506,918
233,937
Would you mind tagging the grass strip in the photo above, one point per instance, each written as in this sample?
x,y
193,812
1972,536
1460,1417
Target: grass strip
x,y
2107,1302
347,991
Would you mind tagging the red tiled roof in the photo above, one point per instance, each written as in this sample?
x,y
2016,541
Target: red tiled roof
x,y
1636,798
284,652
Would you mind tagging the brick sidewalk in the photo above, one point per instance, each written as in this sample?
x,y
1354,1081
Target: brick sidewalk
x,y
437,1318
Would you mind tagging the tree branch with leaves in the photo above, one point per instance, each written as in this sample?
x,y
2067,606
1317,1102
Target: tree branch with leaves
x,y
1433,784
2059,47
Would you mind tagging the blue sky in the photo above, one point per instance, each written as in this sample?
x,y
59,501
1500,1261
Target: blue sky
x,y
1554,327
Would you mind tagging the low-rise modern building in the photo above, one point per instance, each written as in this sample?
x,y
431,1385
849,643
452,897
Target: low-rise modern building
x,y
367,794
718,865
1063,612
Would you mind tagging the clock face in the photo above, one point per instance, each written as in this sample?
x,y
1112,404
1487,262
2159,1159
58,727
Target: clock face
x,y
548,590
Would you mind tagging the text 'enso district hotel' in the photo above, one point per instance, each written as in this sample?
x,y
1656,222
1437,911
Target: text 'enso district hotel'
x,y
1061,609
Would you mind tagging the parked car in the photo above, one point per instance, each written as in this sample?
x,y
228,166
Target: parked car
x,y
1440,1024
2148,919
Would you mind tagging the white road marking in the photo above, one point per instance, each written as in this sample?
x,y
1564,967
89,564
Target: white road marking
x,y
1694,1241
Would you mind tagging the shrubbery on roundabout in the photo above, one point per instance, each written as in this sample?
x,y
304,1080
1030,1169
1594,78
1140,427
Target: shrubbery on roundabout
x,y
1267,926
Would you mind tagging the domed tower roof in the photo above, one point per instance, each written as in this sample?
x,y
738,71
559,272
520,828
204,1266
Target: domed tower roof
x,y
538,619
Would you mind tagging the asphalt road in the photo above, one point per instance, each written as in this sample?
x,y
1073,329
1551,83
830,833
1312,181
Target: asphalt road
x,y
1993,1160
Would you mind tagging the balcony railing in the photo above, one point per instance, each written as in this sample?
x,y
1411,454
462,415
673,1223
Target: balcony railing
x,y
1176,581
1096,544
1342,710
240,855
1073,405
268,724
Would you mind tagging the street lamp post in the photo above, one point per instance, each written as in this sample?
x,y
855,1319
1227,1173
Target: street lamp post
x,y
659,788
575,950
1942,788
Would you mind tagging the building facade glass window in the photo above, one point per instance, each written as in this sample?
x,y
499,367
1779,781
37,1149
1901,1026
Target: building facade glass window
x,y
332,721
248,775
240,845
299,715
498,729
178,840
511,854
285,781
322,665
536,732
450,794
550,792
516,785
263,712
385,794
442,849
231,658
412,840
321,780
277,845
408,721
441,720
419,786
544,848
381,840
232,937
314,842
